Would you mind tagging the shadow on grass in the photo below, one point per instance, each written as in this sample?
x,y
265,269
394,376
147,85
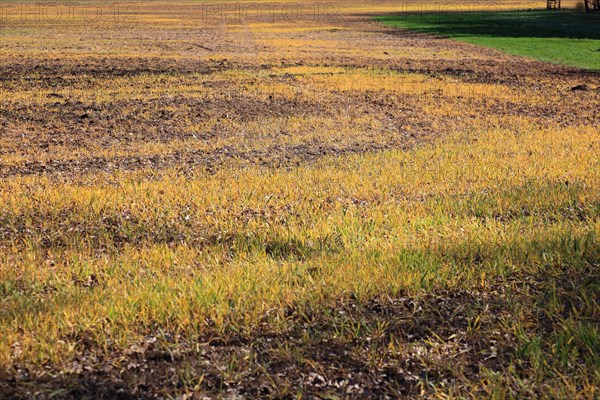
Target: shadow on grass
x,y
562,37
529,324
520,24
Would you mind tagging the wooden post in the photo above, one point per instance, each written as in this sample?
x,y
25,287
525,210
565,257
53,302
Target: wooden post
x,y
553,4
591,5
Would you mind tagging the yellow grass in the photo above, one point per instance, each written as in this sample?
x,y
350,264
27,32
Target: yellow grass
x,y
360,213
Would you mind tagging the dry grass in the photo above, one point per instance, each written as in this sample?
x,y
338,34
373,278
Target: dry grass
x,y
328,209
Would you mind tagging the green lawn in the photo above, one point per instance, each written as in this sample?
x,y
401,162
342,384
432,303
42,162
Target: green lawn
x,y
561,37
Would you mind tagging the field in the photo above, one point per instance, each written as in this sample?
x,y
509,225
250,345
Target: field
x,y
198,205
